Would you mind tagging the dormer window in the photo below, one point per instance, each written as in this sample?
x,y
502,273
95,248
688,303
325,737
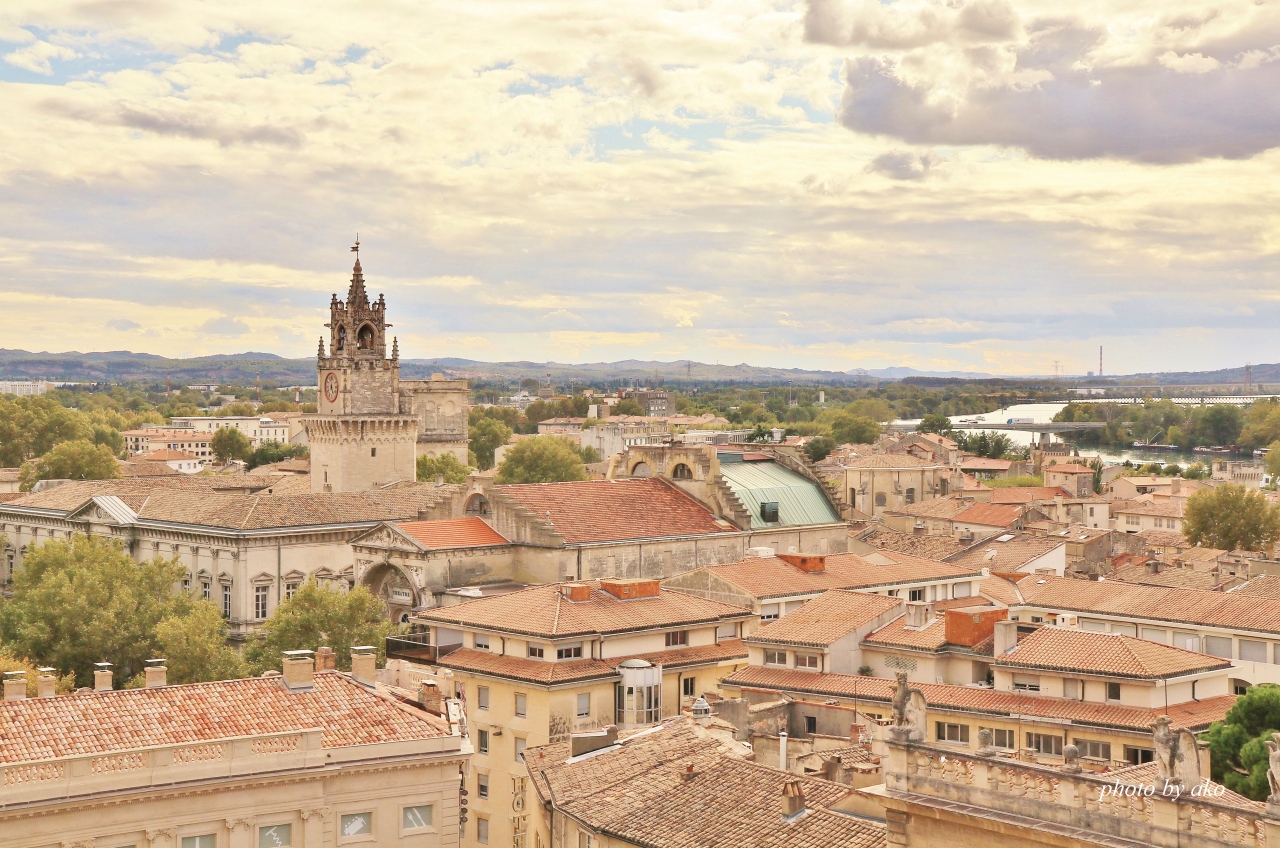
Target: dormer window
x,y
677,639
536,652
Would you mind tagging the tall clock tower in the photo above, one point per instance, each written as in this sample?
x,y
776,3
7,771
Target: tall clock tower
x,y
359,438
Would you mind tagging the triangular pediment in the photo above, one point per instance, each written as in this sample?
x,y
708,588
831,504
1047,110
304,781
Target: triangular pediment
x,y
387,536
104,509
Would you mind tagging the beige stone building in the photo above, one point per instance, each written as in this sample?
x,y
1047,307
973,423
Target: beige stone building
x,y
880,482
300,760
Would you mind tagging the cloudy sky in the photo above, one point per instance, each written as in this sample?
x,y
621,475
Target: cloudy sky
x,y
967,184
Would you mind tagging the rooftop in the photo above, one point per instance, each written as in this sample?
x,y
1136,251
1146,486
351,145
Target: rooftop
x,y
889,460
576,671
1163,539
990,514
1006,556
1069,468
982,463
924,546
800,500
897,634
545,611
1112,654
1167,509
469,532
1262,586
1186,578
612,510
946,507
826,619
1027,494
162,455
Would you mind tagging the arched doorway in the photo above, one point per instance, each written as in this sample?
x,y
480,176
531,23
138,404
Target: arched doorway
x,y
395,588
641,469
477,504
364,338
681,472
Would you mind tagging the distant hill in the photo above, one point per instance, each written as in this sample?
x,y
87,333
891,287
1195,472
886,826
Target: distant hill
x,y
899,373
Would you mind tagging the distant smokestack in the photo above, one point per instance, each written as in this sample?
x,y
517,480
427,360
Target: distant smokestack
x,y
1099,360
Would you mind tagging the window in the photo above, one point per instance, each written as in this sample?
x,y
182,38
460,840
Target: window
x,y
1091,512
536,651
810,725
482,830
775,657
1037,619
207,841
1093,750
1152,634
522,704
1253,651
961,590
226,601
1026,683
585,841
768,612
1132,520
958,733
415,818
688,686
681,472
482,641
186,581
584,704
1073,689
259,602
206,588
807,661
290,589
911,496
482,785
1137,756
355,824
1044,743
677,638
482,742
915,595
482,697
569,652
373,451
880,499
520,743
1113,691
1003,738
275,836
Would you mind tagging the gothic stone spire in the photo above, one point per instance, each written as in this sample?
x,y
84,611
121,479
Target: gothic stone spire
x,y
356,297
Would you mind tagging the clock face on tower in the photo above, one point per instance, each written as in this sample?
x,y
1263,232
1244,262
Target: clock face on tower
x,y
331,387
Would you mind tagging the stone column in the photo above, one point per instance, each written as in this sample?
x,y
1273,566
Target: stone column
x,y
313,827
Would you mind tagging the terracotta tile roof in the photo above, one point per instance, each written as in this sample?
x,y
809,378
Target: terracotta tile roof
x,y
990,514
609,510
1092,652
887,460
826,619
636,794
727,650
1262,586
1199,555
1231,610
1027,494
1005,556
1168,509
1186,578
770,577
132,468
933,508
1194,715
544,611
1069,468
1000,589
982,463
1163,539
162,455
98,722
529,670
470,532
9,475
896,634
923,546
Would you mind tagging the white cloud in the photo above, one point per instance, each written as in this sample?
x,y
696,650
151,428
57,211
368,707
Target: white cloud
x,y
36,57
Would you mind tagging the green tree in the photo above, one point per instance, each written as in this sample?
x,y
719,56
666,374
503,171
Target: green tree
x,y
873,408
235,410
1237,744
1272,460
430,467
934,423
9,661
627,406
1231,517
487,435
82,600
854,430
541,459
508,415
32,426
229,443
77,460
194,646
269,452
316,616
817,449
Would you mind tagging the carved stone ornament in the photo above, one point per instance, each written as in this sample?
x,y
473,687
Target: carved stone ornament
x,y
1177,757
1071,759
909,712
985,746
1273,768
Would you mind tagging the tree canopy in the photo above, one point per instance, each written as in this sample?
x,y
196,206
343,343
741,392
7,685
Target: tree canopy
x,y
446,464
317,616
1237,744
74,460
849,429
627,406
541,459
194,645
229,443
1231,517
487,435
934,423
269,452
32,426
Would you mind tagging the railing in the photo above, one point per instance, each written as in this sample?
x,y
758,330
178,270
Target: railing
x,y
417,647
1044,794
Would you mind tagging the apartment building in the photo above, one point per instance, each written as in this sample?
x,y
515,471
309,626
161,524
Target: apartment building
x,y
257,428
186,440
536,664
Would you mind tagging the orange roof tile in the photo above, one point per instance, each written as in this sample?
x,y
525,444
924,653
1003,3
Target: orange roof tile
x,y
98,722
611,510
990,514
1093,652
826,619
1069,468
896,634
544,611
470,532
1194,715
529,670
1027,494
726,650
982,463
1006,556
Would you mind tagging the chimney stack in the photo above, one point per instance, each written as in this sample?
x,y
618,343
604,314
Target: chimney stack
x,y
782,751
792,799
364,664
1006,636
157,674
102,677
46,683
299,669
15,685
688,773
429,697
326,659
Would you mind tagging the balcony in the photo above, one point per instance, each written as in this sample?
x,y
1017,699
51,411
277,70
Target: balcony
x,y
417,647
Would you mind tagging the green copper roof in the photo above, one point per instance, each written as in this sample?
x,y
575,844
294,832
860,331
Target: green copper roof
x,y
799,499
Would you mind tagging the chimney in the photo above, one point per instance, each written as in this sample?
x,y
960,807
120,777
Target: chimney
x,y
575,592
102,677
364,664
157,674
626,590
688,773
46,683
326,659
919,614
299,670
593,740
810,563
429,697
792,799
1006,636
782,751
15,685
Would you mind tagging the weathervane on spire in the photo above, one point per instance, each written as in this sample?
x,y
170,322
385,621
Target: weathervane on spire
x,y
356,248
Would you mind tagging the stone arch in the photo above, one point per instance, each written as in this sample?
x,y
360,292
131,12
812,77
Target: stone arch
x,y
364,337
681,472
641,469
477,504
396,587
